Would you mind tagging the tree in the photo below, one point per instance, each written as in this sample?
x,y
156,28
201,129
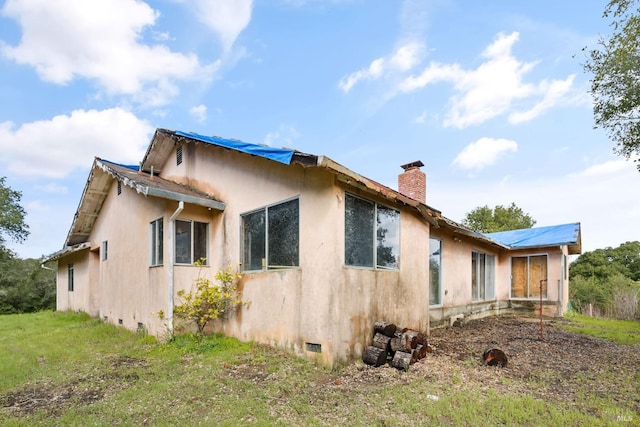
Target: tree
x,y
608,279
11,216
615,86
487,220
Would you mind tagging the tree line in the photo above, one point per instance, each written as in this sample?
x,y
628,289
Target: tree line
x,y
24,285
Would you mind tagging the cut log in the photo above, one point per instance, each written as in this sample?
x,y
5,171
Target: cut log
x,y
395,344
419,353
410,340
493,356
374,356
384,328
401,360
381,341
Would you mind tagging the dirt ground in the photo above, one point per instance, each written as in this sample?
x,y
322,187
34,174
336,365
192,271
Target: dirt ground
x,y
563,366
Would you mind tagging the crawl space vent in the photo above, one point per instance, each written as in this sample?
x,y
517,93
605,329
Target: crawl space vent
x,y
315,348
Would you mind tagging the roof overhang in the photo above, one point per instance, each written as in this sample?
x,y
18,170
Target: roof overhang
x,y
367,185
66,251
102,175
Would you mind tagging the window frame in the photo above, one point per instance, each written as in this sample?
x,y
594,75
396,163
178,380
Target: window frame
x,y
485,269
265,264
529,295
70,278
431,254
104,247
374,260
192,244
156,242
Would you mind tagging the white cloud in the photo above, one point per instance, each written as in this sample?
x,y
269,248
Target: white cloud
x,y
199,112
100,41
492,88
403,59
484,152
283,137
54,148
422,118
227,18
53,188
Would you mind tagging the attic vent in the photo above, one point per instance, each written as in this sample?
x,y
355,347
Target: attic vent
x,y
119,188
315,348
179,155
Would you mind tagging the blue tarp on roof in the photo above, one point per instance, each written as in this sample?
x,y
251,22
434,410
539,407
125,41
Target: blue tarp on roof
x,y
132,167
565,234
281,155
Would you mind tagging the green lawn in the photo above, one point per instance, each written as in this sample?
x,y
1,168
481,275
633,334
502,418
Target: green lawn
x,y
618,331
68,369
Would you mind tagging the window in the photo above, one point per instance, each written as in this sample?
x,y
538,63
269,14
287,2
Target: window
x,y
271,236
435,275
103,251
179,155
529,276
70,277
483,274
156,242
372,232
191,242
119,188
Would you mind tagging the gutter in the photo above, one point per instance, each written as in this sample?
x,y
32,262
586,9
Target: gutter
x,y
171,257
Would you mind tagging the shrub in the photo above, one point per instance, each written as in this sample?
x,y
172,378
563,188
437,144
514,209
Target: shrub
x,y
209,300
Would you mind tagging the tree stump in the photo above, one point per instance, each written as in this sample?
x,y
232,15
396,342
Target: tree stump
x,y
381,341
384,328
493,356
401,360
374,356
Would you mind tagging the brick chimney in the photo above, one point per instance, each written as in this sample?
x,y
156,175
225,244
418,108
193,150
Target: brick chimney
x,y
413,182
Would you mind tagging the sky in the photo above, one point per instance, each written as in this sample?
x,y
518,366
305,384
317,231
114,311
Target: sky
x,y
490,95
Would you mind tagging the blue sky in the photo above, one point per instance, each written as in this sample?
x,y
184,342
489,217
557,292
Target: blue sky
x,y
490,95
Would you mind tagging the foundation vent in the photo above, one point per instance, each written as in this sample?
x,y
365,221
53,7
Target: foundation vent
x,y
312,347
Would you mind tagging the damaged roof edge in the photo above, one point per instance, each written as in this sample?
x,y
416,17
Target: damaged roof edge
x,y
65,251
352,178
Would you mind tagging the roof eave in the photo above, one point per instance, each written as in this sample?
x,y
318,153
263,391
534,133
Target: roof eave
x,y
351,178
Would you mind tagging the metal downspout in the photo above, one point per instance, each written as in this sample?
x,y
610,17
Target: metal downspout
x,y
171,257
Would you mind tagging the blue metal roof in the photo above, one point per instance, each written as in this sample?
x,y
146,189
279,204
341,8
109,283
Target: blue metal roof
x,y
555,235
281,155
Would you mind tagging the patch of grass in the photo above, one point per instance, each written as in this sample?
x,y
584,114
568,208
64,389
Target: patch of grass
x,y
618,331
67,369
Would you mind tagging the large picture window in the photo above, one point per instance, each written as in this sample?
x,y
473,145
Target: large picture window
x,y
191,242
528,275
271,237
156,245
435,271
483,276
372,234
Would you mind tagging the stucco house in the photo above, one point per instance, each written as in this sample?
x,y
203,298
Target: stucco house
x,y
323,251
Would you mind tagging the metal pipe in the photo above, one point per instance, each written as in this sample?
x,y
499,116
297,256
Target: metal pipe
x,y
171,256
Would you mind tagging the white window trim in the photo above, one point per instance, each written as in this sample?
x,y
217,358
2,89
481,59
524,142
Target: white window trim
x,y
495,267
375,237
265,264
153,237
441,299
535,298
175,241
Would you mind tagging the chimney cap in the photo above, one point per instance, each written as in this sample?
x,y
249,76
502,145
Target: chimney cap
x,y
416,164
